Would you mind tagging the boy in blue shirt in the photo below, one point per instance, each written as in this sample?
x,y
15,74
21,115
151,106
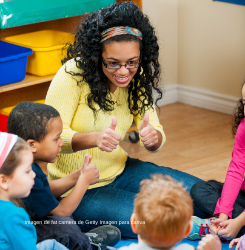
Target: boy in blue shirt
x,y
41,126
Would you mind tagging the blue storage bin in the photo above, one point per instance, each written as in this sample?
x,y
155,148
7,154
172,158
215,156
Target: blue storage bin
x,y
13,60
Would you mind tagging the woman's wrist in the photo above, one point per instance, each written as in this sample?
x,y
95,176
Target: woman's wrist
x,y
82,141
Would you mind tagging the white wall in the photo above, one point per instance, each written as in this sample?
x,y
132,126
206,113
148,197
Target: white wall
x,y
211,42
202,43
163,15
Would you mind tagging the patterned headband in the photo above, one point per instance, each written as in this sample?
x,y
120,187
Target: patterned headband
x,y
120,30
7,142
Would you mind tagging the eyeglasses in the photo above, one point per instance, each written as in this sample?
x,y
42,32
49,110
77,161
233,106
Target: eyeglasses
x,y
115,65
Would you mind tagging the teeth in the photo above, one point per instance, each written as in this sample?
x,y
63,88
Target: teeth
x,y
122,78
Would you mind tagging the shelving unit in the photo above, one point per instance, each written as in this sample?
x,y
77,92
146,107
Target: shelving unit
x,y
34,88
29,80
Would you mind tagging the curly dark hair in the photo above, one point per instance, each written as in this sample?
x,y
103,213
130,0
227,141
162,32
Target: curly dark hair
x,y
30,120
87,50
238,115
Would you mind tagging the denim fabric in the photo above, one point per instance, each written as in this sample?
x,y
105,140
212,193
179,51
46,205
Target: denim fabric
x,y
113,203
205,196
50,245
58,228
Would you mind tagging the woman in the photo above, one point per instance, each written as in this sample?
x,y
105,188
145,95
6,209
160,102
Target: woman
x,y
105,84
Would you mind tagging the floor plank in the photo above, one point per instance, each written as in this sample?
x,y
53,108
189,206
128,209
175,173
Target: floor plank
x,y
199,142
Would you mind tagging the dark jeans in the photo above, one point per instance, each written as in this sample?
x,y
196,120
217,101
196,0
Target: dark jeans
x,y
205,196
113,203
58,228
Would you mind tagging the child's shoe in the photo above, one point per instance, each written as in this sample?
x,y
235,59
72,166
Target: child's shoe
x,y
104,237
200,227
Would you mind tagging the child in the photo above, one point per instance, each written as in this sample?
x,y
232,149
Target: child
x,y
226,201
162,215
16,181
41,126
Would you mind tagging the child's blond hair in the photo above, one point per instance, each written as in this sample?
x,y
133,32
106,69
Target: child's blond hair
x,y
163,211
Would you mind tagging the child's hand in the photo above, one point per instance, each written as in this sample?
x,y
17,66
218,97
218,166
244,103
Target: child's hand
x,y
229,228
215,225
88,171
87,160
209,242
234,242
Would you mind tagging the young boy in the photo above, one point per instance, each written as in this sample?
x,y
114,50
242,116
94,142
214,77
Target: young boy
x,y
162,215
41,126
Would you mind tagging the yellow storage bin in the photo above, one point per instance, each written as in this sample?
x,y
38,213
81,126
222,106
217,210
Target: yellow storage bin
x,y
6,111
47,48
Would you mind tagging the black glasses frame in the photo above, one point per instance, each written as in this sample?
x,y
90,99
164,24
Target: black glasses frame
x,y
125,65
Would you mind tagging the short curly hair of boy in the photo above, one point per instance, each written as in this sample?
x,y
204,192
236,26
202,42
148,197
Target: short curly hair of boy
x,y
165,208
87,53
30,120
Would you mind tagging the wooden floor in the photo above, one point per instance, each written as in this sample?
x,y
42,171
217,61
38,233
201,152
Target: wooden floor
x,y
199,142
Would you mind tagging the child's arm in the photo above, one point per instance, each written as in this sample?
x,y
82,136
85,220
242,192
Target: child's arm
x,y
89,176
60,186
209,242
234,176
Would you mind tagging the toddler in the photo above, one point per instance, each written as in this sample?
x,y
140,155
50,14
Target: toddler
x,y
162,215
16,181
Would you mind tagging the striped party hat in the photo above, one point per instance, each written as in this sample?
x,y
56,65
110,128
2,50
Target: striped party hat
x,y
7,142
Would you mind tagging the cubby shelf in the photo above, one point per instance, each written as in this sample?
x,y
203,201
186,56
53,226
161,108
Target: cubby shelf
x,y
29,80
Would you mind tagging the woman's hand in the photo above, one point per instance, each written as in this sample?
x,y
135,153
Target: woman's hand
x,y
89,172
209,242
108,139
148,134
235,242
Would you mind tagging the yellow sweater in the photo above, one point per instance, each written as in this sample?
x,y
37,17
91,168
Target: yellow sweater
x,y
69,98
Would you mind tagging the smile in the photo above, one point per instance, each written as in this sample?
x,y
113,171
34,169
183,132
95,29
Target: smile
x,y
121,79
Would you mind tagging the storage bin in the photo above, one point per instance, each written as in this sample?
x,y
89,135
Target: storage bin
x,y
13,61
6,111
3,123
47,48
